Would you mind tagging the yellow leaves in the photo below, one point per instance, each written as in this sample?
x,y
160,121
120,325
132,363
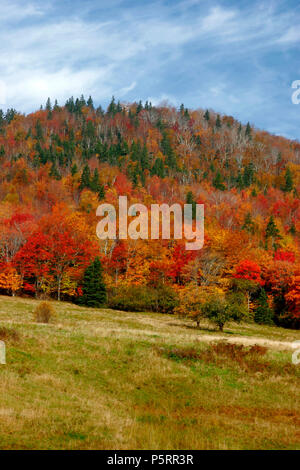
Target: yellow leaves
x,y
12,198
88,201
10,280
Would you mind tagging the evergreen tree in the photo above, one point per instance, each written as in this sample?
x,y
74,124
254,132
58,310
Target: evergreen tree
x,y
190,200
249,225
248,175
112,107
289,184
101,192
85,180
218,122
93,288
48,105
206,115
272,232
218,182
248,131
74,169
263,313
54,173
90,102
95,183
168,151
158,168
39,130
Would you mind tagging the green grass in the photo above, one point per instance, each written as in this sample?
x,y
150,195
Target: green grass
x,y
101,379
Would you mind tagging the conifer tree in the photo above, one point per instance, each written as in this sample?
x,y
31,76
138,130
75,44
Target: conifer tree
x,y
272,232
248,131
249,225
263,313
93,288
288,186
218,122
206,115
190,200
85,180
218,182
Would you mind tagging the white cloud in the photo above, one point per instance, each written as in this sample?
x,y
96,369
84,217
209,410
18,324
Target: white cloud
x,y
150,49
292,35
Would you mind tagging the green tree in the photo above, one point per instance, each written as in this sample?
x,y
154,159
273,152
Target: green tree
x,y
219,310
218,182
206,115
93,287
85,180
248,131
190,200
288,184
249,225
263,313
272,233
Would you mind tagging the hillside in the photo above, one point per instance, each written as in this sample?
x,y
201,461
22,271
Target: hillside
x,y
59,163
103,379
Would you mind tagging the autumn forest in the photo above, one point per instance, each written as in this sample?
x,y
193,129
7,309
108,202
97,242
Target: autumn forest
x,y
60,162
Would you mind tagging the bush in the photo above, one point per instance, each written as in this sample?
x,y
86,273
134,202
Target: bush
x,y
220,310
44,312
162,299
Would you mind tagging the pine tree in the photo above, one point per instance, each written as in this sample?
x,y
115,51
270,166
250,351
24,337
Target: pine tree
x,y
218,122
206,115
272,232
95,183
263,313
218,182
248,131
289,184
249,225
48,105
93,288
90,102
74,169
54,173
190,200
85,180
248,175
101,192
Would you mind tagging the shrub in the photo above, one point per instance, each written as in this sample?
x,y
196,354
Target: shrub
x,y
220,310
143,298
44,312
8,334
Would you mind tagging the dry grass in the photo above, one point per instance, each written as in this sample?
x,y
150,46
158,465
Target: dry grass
x,y
100,379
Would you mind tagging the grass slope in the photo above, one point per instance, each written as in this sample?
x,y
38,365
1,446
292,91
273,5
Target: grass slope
x,y
101,379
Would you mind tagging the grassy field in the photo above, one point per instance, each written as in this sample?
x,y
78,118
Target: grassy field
x,y
101,379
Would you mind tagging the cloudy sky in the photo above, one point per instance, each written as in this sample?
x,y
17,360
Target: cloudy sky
x,y
236,57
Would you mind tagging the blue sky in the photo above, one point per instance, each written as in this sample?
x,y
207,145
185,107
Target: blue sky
x,y
236,57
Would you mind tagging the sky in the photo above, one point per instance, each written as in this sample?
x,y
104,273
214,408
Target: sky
x,y
236,57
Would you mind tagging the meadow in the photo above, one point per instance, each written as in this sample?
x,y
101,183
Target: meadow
x,y
104,379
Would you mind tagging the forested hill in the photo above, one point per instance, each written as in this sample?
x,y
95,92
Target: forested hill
x,y
58,163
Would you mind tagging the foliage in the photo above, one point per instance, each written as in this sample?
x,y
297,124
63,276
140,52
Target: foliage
x,y
60,162
137,298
